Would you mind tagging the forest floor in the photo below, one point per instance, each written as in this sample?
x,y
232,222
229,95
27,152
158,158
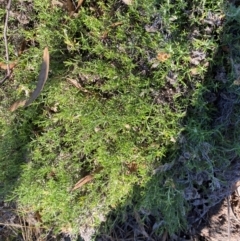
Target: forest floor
x,y
136,134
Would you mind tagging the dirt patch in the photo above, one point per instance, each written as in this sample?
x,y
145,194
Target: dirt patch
x,y
222,222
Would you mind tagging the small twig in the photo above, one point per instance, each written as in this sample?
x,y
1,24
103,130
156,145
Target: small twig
x,y
228,214
16,225
5,78
5,35
6,42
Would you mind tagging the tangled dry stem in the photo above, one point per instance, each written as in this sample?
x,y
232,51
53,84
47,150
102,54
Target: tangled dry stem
x,y
6,42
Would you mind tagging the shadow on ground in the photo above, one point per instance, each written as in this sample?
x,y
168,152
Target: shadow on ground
x,y
211,199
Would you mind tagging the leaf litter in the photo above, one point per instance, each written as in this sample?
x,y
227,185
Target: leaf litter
x,y
196,59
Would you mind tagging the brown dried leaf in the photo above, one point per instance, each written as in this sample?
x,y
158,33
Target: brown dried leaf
x,y
83,181
38,216
5,66
113,25
41,78
80,2
69,6
76,84
22,47
17,104
132,167
162,57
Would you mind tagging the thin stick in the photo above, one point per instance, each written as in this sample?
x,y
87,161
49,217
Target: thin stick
x,y
16,225
5,35
6,43
5,78
228,214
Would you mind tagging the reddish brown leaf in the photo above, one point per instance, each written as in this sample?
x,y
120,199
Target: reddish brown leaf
x,y
69,6
22,47
104,35
132,167
83,181
17,104
4,66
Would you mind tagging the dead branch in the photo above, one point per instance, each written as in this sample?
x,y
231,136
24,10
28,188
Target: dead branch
x,y
6,42
5,78
16,225
5,35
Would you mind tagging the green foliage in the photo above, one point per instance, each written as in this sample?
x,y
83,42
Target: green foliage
x,y
127,118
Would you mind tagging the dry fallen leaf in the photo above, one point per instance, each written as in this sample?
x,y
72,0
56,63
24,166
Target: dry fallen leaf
x,y
69,6
82,181
132,167
87,178
162,57
76,84
4,66
38,216
41,78
80,2
113,25
104,35
22,47
17,104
